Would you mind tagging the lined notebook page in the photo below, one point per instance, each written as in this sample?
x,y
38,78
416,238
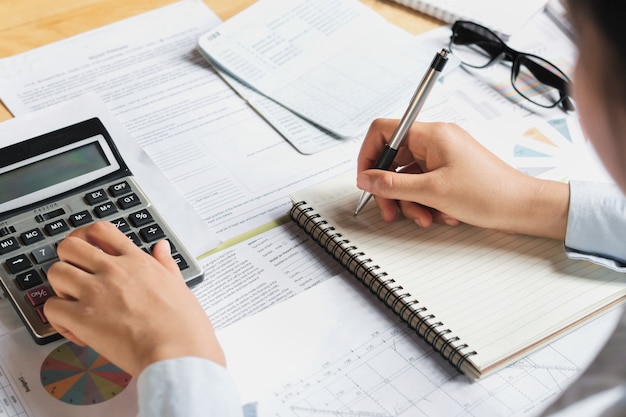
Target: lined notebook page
x,y
501,294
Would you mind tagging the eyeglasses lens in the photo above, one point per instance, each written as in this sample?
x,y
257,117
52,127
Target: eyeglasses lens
x,y
474,45
538,81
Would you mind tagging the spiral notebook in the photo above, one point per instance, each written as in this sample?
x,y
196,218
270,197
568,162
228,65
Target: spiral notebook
x,y
481,298
505,17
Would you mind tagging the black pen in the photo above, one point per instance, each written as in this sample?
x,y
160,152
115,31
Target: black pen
x,y
415,106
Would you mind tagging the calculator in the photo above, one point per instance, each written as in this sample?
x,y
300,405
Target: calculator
x,y
54,183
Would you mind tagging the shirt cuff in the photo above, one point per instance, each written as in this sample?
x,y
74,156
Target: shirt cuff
x,y
596,224
187,386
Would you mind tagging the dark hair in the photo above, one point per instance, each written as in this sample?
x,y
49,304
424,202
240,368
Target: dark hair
x,y
605,17
609,24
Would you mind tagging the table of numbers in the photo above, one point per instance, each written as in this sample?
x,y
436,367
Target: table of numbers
x,y
10,404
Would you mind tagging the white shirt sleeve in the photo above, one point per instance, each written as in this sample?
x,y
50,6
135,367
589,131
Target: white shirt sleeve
x,y
185,387
596,231
596,224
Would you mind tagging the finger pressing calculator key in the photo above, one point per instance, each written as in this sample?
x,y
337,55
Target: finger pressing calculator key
x,y
55,183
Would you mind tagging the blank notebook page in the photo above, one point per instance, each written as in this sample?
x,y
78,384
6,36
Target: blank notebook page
x,y
501,294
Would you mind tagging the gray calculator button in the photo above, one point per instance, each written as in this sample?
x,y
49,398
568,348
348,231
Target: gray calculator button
x,y
8,245
105,209
46,266
43,254
32,236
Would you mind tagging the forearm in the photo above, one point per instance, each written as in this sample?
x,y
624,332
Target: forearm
x,y
536,207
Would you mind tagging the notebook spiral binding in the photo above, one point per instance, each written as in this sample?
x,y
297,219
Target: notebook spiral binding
x,y
386,289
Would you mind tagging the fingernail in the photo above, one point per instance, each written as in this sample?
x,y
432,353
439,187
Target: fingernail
x,y
418,222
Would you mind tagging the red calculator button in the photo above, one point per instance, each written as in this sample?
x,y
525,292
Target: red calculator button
x,y
38,295
42,316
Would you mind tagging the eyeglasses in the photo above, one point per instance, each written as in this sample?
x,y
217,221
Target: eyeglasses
x,y
534,78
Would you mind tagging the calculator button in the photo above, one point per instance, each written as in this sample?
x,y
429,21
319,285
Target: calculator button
x,y
128,201
140,218
105,209
32,236
151,233
41,314
135,239
79,219
119,189
45,267
96,197
121,224
8,245
57,227
44,254
18,263
172,247
38,295
182,264
28,279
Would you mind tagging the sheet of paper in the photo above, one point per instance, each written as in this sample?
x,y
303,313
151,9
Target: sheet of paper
x,y
185,221
347,355
240,281
503,17
306,137
200,133
336,63
60,379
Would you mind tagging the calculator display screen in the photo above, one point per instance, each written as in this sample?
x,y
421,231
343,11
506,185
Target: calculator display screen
x,y
50,171
39,173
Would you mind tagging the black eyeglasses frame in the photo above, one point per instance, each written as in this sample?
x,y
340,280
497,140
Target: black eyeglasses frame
x,y
465,32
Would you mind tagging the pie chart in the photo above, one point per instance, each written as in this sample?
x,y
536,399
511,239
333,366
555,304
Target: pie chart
x,y
80,376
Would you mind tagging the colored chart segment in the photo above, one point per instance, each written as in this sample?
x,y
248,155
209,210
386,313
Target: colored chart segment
x,y
80,376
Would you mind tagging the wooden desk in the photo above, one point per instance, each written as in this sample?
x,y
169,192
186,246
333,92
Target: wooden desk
x,y
28,24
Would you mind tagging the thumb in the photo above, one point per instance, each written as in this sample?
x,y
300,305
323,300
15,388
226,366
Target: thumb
x,y
392,185
162,252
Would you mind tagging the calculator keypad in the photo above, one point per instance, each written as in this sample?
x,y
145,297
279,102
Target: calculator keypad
x,y
28,245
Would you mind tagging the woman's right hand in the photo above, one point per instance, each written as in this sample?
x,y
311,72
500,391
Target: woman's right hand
x,y
449,177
